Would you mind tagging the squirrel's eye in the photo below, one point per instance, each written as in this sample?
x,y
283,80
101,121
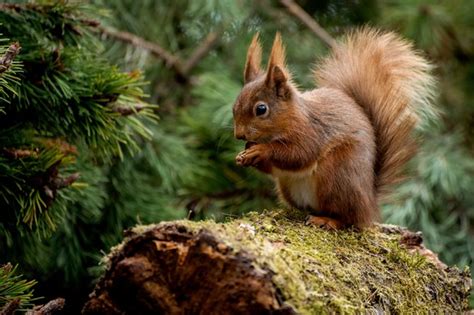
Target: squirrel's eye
x,y
260,109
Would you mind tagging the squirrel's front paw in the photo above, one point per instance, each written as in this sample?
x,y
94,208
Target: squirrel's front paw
x,y
252,156
239,159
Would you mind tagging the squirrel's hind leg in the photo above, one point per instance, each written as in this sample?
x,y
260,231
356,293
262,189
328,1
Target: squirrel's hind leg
x,y
345,187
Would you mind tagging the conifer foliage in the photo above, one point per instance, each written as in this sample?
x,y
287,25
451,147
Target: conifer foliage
x,y
66,115
15,292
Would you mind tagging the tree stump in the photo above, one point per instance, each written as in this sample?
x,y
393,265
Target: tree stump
x,y
271,263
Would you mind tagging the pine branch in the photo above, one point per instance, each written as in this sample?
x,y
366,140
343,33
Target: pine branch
x,y
170,60
50,182
310,23
7,59
90,22
10,307
49,308
42,8
182,68
208,43
127,111
19,153
65,182
18,7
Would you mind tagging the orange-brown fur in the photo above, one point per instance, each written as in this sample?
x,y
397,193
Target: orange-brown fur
x,y
333,150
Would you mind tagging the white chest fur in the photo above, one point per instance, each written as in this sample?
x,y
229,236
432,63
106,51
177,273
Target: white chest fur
x,y
300,186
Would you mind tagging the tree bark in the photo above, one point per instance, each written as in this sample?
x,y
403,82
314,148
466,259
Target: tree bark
x,y
272,263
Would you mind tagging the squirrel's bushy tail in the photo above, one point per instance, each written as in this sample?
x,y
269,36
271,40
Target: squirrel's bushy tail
x,y
392,82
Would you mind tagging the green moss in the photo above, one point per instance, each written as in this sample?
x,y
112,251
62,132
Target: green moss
x,y
320,271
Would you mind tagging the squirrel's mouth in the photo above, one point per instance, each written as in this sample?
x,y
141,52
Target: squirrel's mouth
x,y
249,144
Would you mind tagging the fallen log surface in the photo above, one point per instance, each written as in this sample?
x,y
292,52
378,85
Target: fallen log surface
x,y
271,263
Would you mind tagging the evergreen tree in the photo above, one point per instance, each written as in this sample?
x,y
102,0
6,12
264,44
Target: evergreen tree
x,y
67,118
67,114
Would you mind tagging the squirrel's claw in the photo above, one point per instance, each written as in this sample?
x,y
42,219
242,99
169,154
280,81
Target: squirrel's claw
x,y
251,156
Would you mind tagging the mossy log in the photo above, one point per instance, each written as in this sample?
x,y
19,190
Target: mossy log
x,y
272,263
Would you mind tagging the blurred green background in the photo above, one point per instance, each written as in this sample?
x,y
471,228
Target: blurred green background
x,y
188,164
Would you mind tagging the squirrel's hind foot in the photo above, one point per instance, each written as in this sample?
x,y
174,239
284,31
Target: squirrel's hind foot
x,y
324,222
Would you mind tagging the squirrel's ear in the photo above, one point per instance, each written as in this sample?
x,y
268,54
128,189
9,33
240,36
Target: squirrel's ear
x,y
277,80
277,75
254,58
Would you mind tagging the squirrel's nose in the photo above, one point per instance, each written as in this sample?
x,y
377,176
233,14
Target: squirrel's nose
x,y
240,136
239,132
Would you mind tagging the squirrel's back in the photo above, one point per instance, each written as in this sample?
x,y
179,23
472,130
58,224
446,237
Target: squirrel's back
x,y
392,83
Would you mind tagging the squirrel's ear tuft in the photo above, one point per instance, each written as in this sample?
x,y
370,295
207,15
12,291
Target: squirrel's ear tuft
x,y
254,58
277,55
277,75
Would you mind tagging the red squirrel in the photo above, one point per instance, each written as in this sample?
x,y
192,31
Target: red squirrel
x,y
334,150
